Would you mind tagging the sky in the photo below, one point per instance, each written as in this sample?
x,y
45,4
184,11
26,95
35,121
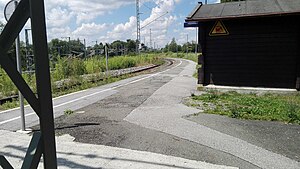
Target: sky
x,y
109,20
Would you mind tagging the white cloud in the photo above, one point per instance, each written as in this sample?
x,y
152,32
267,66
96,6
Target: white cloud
x,y
58,32
188,34
120,28
158,21
90,31
80,19
62,15
58,17
163,19
87,10
122,31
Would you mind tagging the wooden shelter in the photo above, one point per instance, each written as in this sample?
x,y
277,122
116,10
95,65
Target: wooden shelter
x,y
254,43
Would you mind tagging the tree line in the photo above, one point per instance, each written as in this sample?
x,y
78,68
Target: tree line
x,y
186,47
59,47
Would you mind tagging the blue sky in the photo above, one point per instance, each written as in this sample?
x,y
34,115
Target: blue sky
x,y
109,20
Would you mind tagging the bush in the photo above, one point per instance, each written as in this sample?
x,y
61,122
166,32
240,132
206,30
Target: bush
x,y
61,70
7,87
72,68
77,67
93,65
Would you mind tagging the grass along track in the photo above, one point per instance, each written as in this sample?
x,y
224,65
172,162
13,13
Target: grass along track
x,y
78,83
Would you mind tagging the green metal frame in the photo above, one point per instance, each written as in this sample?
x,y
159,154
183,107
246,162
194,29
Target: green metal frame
x,y
43,142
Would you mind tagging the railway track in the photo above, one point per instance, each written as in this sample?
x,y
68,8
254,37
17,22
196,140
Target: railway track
x,y
112,73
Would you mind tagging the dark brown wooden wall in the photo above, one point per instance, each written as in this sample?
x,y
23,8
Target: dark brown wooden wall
x,y
258,52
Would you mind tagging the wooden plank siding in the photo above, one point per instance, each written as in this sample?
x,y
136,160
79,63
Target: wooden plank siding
x,y
258,52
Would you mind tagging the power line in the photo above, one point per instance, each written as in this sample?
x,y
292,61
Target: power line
x,y
150,9
150,39
154,20
147,7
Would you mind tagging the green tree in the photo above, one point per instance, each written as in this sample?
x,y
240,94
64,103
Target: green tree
x,y
117,47
190,47
58,47
64,48
12,50
76,47
179,47
98,48
12,53
173,47
131,45
166,49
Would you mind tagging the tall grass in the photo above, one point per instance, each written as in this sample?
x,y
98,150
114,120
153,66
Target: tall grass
x,y
7,87
189,56
72,68
93,65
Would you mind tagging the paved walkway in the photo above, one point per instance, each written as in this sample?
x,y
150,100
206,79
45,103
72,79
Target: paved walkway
x,y
73,155
163,111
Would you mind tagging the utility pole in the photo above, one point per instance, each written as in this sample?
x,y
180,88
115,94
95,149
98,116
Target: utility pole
x,y
19,68
177,50
150,40
96,44
138,26
106,58
69,39
84,48
187,44
28,55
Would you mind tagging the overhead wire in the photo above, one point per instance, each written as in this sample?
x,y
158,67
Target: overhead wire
x,y
156,19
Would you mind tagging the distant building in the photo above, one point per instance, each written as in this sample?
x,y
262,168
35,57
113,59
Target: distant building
x,y
252,43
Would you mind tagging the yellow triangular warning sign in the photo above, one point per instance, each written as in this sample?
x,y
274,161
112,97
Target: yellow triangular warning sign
x,y
218,29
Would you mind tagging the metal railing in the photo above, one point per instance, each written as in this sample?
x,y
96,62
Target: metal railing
x,y
42,142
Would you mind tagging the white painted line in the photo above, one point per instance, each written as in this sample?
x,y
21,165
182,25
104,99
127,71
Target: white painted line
x,y
112,88
6,121
6,111
69,94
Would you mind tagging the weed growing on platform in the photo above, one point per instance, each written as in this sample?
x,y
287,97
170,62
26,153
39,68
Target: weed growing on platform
x,y
270,107
68,112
